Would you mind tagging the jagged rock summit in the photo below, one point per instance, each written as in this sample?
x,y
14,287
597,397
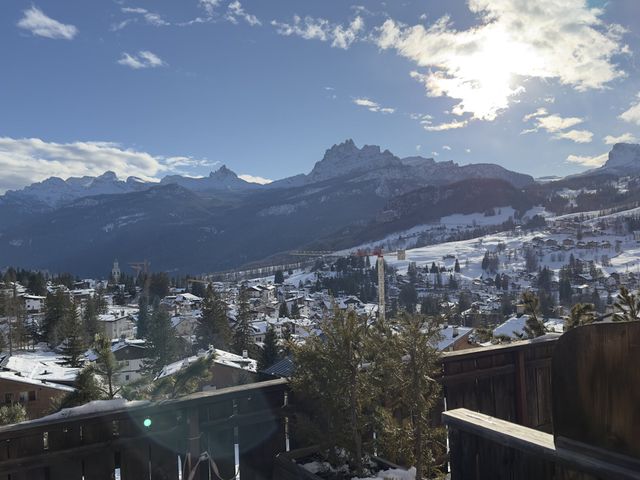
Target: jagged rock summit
x,y
222,179
346,158
55,191
624,159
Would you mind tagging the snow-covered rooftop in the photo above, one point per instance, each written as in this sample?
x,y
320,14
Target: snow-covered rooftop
x,y
221,358
40,365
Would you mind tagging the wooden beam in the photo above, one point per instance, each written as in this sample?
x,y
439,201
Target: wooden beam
x,y
521,389
480,373
535,443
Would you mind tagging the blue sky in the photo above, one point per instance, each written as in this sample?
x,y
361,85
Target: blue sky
x,y
149,88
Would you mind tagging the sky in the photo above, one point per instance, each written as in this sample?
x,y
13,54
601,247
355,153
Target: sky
x,y
151,88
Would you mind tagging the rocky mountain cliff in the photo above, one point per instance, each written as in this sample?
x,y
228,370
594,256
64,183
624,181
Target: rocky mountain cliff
x,y
393,174
624,159
198,225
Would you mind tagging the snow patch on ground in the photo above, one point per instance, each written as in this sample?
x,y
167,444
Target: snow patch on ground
x,y
478,219
392,474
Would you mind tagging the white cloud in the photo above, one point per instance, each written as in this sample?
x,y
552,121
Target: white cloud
x,y
558,126
39,24
418,148
435,154
467,150
445,126
372,106
254,179
485,66
236,12
209,6
446,147
540,112
311,28
586,161
556,123
137,13
578,136
27,160
632,115
143,59
624,138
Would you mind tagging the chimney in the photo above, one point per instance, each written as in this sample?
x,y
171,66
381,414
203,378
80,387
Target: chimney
x,y
245,354
455,332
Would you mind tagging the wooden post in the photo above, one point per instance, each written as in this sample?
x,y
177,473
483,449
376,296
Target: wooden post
x,y
521,389
193,442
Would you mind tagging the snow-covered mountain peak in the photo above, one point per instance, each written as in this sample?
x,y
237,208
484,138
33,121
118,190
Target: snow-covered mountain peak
x,y
223,179
55,191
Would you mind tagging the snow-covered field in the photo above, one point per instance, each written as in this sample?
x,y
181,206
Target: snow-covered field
x,y
468,252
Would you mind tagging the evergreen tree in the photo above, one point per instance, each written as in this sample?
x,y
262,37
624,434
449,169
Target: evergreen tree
x,y
534,326
278,278
270,353
74,346
87,390
412,273
456,267
565,292
408,297
283,311
418,390
161,341
581,314
213,325
119,298
242,339
142,325
295,310
159,285
627,306
101,302
90,318
187,380
330,364
10,414
55,307
106,367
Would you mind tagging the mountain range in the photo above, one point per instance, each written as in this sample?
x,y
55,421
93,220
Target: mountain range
x,y
221,221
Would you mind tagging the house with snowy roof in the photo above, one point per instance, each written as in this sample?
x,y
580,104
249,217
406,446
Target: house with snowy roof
x,y
228,369
34,379
118,324
33,303
454,338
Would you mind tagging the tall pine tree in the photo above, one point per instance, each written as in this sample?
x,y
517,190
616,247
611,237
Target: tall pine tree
x,y
295,310
213,326
106,367
270,353
143,317
534,327
242,338
161,341
74,346
55,307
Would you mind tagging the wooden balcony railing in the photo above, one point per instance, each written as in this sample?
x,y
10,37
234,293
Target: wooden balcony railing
x,y
242,428
595,412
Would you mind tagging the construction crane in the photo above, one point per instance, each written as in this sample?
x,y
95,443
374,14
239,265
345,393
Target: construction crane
x,y
140,267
